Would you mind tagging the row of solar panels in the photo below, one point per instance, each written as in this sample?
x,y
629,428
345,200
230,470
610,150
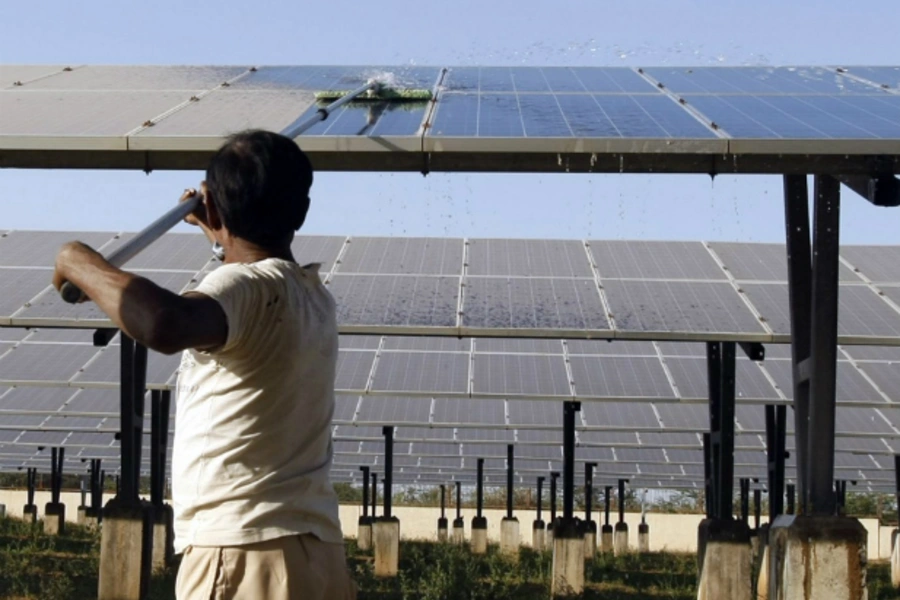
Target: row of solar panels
x,y
161,108
600,289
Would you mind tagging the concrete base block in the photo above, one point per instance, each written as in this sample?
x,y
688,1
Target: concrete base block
x,y
459,531
125,550
620,540
442,530
386,541
817,558
54,518
762,581
643,538
91,518
606,538
538,535
548,538
2,511
79,514
509,537
364,533
726,570
590,539
163,538
29,513
567,577
479,535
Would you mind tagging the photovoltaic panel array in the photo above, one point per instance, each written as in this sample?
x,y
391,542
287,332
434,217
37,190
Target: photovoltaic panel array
x,y
454,399
480,118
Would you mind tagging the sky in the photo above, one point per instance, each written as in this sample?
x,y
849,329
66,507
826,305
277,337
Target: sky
x,y
457,32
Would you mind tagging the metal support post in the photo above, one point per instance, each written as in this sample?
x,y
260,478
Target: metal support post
x,y
540,492
776,432
83,488
459,500
588,490
569,410
622,500
509,481
757,507
96,485
791,495
553,477
57,456
160,401
606,493
443,501
745,500
480,487
897,482
374,493
32,484
720,358
707,475
365,490
133,370
388,469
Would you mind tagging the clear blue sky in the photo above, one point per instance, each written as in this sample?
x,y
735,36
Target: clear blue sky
x,y
456,32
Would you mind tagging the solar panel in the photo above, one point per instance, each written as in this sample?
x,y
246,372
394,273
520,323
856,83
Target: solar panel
x,y
519,375
44,362
882,76
518,303
852,420
433,372
693,417
877,263
392,411
535,413
30,399
618,259
695,307
619,415
517,346
105,368
486,435
95,401
322,249
469,411
353,370
885,376
852,387
610,348
619,377
528,258
427,344
359,342
756,80
396,300
345,407
403,256
691,377
763,262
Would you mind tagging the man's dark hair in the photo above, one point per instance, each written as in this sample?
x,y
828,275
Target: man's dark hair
x,y
259,182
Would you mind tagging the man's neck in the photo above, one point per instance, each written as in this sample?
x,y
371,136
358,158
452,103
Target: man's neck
x,y
242,251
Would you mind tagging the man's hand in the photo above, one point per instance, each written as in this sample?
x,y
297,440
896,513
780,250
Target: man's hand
x,y
198,217
70,255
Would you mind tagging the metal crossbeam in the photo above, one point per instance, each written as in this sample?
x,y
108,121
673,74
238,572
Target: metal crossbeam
x,y
880,190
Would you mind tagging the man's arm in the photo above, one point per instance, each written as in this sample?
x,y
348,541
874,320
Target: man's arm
x,y
151,315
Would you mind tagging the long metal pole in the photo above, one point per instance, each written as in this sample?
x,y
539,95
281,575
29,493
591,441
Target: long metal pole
x,y
509,481
588,489
443,500
823,345
569,410
365,490
540,491
388,476
480,487
553,477
799,260
374,493
621,501
458,499
293,131
606,494
726,423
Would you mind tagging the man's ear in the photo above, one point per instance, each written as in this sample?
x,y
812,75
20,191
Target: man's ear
x,y
213,218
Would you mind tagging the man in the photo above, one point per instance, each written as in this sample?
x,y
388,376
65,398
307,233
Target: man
x,y
255,514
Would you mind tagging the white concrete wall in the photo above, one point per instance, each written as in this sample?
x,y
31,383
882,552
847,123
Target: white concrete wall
x,y
674,533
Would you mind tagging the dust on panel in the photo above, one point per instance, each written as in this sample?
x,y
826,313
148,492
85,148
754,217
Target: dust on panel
x,y
617,259
619,377
521,374
427,372
403,256
396,300
527,258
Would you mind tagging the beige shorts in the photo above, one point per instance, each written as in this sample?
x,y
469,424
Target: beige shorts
x,y
288,568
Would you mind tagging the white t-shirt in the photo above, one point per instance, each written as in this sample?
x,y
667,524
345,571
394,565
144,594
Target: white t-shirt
x,y
252,446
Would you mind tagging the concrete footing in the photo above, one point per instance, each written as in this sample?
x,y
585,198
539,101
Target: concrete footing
x,y
538,535
386,541
364,533
2,511
29,513
91,518
548,538
817,558
509,537
459,531
606,539
762,581
163,538
590,539
79,514
479,535
125,551
643,538
567,577
54,518
895,558
442,529
620,540
726,565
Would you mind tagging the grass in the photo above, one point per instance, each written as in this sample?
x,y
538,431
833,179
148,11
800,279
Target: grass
x,y
35,566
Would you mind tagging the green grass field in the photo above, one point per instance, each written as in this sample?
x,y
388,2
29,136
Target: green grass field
x,y
35,566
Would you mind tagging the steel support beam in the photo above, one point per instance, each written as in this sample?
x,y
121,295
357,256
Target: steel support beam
x,y
374,493
553,477
160,401
606,498
622,483
776,433
880,190
443,501
459,500
57,456
133,372
791,499
540,492
97,477
745,500
754,350
31,484
388,469
479,487
588,490
510,491
365,490
720,359
569,410
707,475
757,507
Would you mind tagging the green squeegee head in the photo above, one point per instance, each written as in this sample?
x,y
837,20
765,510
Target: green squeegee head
x,y
380,93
